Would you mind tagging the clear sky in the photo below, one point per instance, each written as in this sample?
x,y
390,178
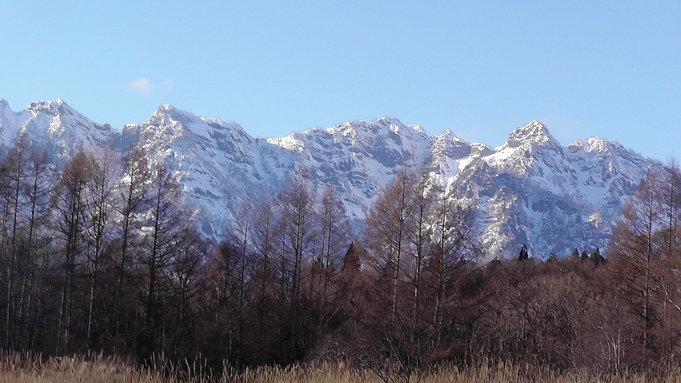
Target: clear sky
x,y
479,68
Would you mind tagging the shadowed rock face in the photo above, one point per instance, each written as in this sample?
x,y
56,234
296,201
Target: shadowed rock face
x,y
530,190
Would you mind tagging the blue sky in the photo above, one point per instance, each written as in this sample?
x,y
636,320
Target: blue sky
x,y
584,68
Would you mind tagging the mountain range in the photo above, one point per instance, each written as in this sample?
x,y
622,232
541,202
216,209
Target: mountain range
x,y
531,190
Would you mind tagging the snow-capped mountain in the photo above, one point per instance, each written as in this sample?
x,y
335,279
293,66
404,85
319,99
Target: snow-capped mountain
x,y
55,126
531,190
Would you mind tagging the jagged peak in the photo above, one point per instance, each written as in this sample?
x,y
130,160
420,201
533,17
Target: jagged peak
x,y
5,110
448,135
505,195
181,115
46,104
396,125
168,116
596,145
533,133
382,124
481,150
387,120
52,107
448,138
589,145
169,110
450,145
59,110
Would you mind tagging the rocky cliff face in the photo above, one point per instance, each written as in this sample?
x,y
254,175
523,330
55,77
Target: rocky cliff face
x,y
530,190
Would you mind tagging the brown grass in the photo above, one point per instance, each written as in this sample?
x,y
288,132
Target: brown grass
x,y
27,368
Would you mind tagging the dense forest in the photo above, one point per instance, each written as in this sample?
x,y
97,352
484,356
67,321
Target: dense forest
x,y
101,255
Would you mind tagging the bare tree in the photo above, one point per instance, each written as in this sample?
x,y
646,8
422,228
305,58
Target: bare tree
x,y
334,238
184,278
70,207
132,201
104,173
297,204
420,234
670,199
166,234
37,190
265,240
455,242
231,267
397,236
634,246
14,175
388,223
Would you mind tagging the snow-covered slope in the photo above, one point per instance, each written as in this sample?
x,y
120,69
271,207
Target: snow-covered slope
x,y
55,126
553,198
530,190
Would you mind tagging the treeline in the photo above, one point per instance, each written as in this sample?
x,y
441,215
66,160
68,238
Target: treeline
x,y
101,255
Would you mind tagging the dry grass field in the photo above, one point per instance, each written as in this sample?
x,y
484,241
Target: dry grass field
x,y
23,368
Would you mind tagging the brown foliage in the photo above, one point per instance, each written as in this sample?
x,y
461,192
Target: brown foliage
x,y
118,268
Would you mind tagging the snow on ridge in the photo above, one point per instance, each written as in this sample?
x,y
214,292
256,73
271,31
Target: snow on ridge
x,y
396,126
381,125
291,142
534,133
448,134
183,121
597,144
538,186
592,144
8,123
52,107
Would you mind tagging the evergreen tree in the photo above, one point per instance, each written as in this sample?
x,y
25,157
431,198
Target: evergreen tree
x,y
524,254
596,257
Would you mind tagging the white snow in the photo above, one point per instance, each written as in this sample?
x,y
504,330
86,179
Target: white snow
x,y
222,164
